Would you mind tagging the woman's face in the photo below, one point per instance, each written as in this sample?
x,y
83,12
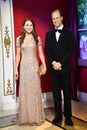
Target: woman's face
x,y
28,26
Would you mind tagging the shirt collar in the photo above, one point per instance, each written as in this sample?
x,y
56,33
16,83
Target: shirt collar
x,y
61,27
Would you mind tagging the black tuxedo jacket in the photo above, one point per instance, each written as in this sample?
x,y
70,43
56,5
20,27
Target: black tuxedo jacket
x,y
60,51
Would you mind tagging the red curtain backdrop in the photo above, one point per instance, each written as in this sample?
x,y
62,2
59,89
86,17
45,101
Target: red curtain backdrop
x,y
40,12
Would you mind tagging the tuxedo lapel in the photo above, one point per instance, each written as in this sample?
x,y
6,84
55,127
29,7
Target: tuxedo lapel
x,y
53,37
60,37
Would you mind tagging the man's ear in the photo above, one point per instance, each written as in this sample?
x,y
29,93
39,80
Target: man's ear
x,y
62,18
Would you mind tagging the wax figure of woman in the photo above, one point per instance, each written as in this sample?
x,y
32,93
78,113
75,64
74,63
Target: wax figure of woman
x,y
30,101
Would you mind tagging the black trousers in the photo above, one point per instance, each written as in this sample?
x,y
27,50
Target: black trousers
x,y
64,82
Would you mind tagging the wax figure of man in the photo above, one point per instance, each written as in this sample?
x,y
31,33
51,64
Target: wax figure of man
x,y
59,45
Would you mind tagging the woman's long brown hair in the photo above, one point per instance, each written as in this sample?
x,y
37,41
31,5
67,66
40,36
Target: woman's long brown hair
x,y
24,32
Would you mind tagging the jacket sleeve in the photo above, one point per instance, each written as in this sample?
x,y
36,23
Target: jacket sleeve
x,y
47,48
69,53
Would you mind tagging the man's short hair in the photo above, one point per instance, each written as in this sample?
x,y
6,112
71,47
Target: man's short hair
x,y
57,10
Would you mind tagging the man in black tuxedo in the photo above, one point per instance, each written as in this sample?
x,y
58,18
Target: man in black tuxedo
x,y
59,45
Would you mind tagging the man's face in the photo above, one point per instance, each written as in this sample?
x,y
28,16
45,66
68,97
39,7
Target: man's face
x,y
57,19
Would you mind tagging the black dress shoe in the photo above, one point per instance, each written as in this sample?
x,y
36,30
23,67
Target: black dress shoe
x,y
56,121
69,122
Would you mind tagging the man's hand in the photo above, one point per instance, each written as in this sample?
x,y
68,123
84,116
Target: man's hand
x,y
57,65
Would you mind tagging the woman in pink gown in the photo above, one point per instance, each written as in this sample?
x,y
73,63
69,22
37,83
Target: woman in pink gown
x,y
30,100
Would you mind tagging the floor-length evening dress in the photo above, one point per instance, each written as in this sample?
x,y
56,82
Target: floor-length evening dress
x,y
30,100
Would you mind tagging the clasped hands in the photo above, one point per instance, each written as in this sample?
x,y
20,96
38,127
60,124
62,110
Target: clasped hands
x,y
57,65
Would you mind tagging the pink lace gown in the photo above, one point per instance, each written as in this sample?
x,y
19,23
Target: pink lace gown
x,y
30,98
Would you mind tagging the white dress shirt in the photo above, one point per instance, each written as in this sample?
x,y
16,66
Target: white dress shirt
x,y
57,33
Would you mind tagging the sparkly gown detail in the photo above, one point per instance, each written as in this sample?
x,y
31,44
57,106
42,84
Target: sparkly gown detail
x,y
30,99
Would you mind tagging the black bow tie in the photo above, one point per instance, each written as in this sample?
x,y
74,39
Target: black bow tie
x,y
59,30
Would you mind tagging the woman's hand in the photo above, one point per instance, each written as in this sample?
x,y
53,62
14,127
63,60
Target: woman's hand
x,y
43,71
16,74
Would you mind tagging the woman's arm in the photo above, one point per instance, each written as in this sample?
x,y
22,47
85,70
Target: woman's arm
x,y
41,55
17,62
